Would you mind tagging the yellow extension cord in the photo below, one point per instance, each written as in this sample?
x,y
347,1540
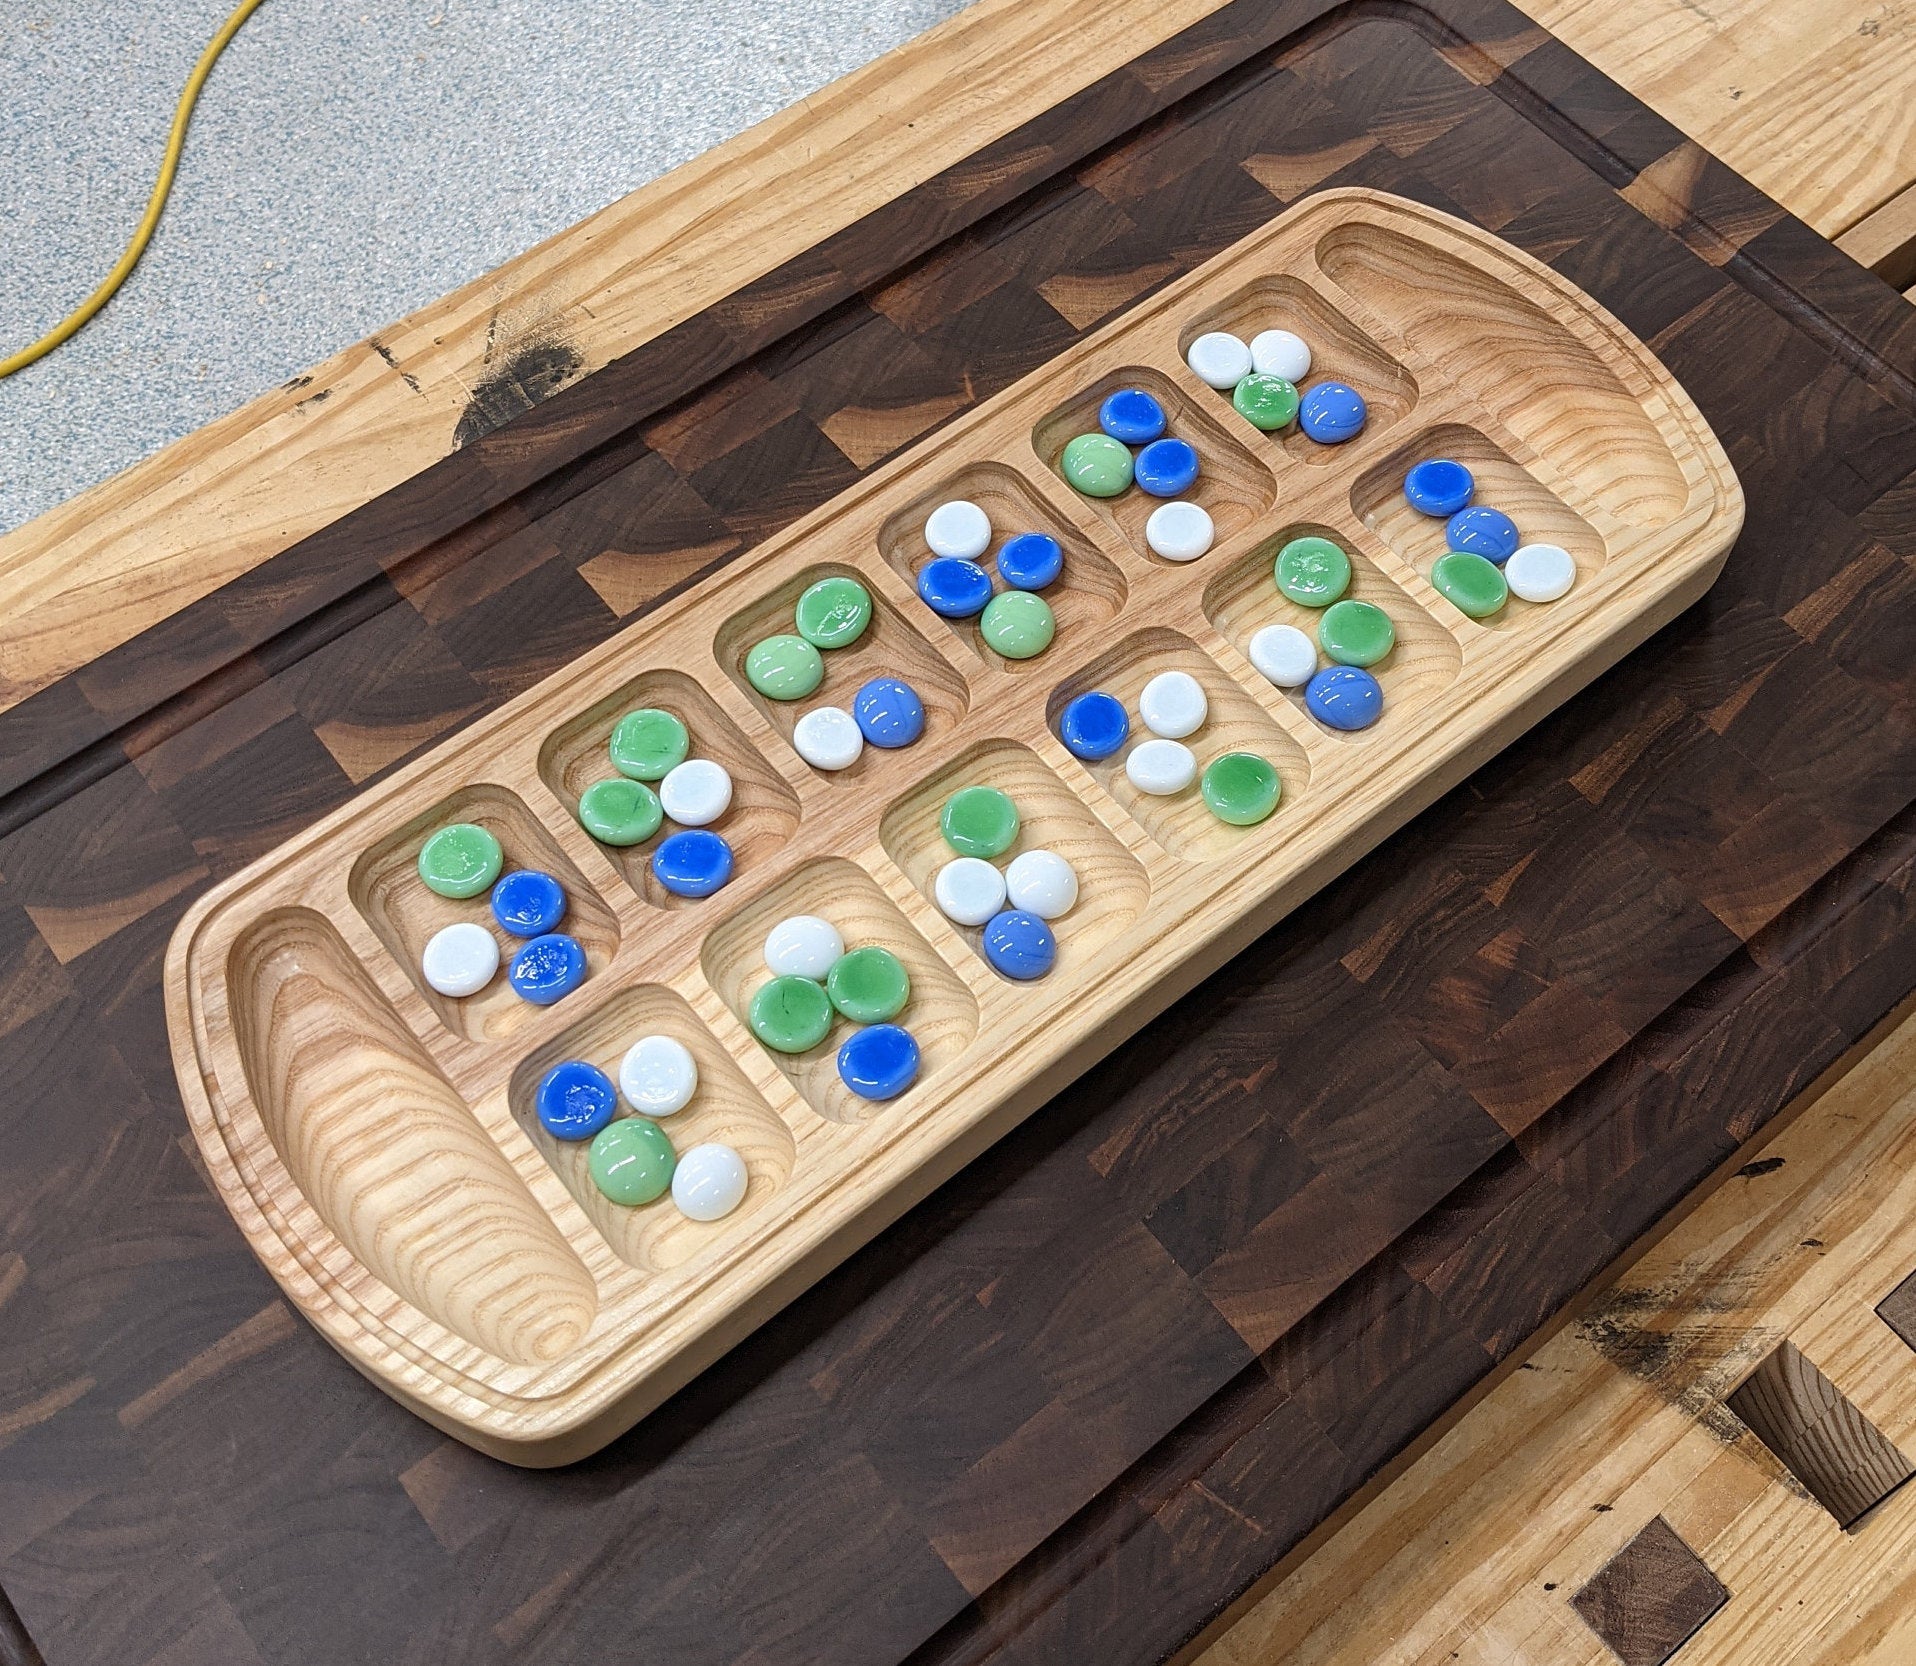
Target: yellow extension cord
x,y
155,205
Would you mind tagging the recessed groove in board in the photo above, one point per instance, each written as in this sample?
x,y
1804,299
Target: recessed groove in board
x,y
1545,382
764,813
1232,486
1377,498
1244,598
890,645
725,1107
1113,887
942,1014
1182,824
388,1155
1340,352
1090,593
388,892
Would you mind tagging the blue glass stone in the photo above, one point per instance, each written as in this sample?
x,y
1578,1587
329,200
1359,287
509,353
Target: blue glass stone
x,y
1332,412
1486,532
1131,415
1344,697
1030,561
1165,468
879,1062
576,1100
694,863
547,968
953,587
889,712
1439,487
1094,726
1020,945
528,903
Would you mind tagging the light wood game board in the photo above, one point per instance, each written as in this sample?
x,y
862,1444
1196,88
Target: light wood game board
x,y
375,1141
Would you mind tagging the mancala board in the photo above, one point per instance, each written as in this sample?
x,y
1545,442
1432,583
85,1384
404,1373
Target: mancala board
x,y
378,1143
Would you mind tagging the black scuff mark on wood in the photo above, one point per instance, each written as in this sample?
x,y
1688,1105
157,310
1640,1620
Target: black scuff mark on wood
x,y
529,374
319,398
1762,1166
392,363
296,384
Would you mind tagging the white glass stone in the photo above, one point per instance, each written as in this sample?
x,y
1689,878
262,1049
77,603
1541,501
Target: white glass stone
x,y
803,946
969,889
1540,572
1285,655
460,959
1279,353
1173,705
709,1182
958,528
1161,767
828,738
1042,882
658,1075
697,792
1180,531
1219,359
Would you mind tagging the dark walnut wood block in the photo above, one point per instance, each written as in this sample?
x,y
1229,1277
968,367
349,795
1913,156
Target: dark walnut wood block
x,y
1085,1396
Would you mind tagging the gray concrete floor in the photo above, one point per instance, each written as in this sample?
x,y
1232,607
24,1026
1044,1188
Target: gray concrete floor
x,y
348,163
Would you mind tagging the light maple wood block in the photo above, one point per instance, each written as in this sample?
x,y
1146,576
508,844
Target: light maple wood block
x,y
1463,340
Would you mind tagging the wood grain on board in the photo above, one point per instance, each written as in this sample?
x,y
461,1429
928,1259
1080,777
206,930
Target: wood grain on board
x,y
1812,102
294,1001
1020,1412
1629,1416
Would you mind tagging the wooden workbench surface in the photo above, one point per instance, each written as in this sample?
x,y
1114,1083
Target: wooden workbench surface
x,y
1816,104
1623,1426
1575,986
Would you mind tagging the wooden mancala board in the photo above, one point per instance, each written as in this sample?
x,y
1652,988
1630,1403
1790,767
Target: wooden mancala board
x,y
377,1142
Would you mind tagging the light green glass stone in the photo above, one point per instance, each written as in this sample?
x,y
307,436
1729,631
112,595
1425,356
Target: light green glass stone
x,y
1017,624
1355,633
869,985
834,612
790,1014
632,1160
1241,788
618,811
1097,465
649,744
784,668
979,821
1469,583
1313,571
460,861
1267,402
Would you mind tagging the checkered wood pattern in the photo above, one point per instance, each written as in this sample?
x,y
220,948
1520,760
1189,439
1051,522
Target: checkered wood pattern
x,y
1088,1393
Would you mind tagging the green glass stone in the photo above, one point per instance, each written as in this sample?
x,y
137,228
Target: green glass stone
x,y
1470,583
784,668
460,861
1017,624
1241,788
979,821
1355,633
790,1014
834,612
1313,571
649,744
1267,402
631,1160
1097,465
869,985
619,811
